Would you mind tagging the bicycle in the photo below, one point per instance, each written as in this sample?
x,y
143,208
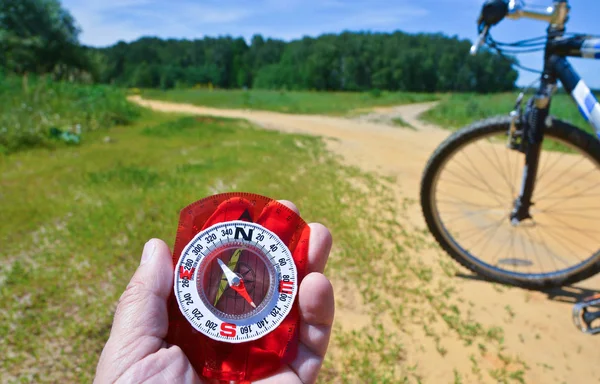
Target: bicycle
x,y
467,211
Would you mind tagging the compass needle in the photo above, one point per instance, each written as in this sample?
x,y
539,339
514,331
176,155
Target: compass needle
x,y
232,264
236,283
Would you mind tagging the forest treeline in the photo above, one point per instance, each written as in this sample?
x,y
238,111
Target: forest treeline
x,y
350,61
39,36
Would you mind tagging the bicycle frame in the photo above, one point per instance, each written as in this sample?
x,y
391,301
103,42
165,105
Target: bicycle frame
x,y
534,121
556,67
526,130
560,67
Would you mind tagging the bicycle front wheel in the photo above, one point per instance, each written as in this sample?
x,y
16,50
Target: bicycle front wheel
x,y
468,191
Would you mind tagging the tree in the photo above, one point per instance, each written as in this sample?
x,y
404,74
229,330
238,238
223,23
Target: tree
x,y
39,36
350,61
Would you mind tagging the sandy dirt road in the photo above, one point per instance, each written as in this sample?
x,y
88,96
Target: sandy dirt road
x,y
537,326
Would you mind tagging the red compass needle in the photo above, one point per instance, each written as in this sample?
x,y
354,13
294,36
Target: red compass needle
x,y
236,283
241,289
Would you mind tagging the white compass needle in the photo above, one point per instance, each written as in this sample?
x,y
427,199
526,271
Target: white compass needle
x,y
231,277
236,283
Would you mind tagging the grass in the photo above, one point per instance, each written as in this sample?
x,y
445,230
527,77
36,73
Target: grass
x,y
460,109
299,102
400,122
27,113
79,217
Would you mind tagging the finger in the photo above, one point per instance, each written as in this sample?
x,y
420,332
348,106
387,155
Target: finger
x,y
319,246
317,311
283,375
141,319
142,307
290,205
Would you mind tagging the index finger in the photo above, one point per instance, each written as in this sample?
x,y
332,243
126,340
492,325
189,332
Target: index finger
x,y
319,243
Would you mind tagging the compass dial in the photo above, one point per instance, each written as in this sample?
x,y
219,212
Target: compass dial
x,y
235,281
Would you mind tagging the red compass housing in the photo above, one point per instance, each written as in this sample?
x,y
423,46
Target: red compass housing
x,y
239,259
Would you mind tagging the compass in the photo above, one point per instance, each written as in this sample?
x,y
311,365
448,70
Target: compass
x,y
239,259
235,281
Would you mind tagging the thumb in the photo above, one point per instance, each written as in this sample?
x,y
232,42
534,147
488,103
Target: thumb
x,y
142,308
141,320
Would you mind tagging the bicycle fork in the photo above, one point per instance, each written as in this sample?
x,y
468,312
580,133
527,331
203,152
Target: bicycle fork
x,y
533,123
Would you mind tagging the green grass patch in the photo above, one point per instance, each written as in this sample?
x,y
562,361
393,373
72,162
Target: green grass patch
x,y
400,122
460,109
332,103
28,112
79,217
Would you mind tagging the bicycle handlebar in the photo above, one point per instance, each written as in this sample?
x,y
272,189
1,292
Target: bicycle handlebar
x,y
555,14
494,11
480,40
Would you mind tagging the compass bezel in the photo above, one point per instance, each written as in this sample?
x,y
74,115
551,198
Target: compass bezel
x,y
276,305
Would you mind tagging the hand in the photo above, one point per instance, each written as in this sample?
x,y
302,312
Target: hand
x,y
136,350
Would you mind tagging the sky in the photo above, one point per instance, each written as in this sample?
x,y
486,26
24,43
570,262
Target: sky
x,y
105,22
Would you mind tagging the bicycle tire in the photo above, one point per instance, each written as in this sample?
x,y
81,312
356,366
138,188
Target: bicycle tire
x,y
561,130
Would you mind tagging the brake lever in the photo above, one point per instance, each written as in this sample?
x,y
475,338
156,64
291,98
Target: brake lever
x,y
480,40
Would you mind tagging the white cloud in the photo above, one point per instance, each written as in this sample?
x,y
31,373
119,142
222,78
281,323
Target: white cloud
x,y
105,22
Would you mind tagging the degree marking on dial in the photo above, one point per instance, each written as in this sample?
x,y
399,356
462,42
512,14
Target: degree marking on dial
x,y
268,326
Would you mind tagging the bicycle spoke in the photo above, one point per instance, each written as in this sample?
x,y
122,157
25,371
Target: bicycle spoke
x,y
544,171
467,170
462,184
562,243
532,245
512,244
579,230
499,166
548,249
493,235
495,228
570,214
569,182
571,196
558,234
464,216
489,190
497,253
474,230
468,203
572,209
523,247
482,177
579,194
510,175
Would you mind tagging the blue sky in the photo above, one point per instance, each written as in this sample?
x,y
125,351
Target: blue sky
x,y
104,22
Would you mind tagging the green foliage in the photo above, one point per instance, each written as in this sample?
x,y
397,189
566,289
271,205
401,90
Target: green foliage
x,y
26,117
350,61
78,222
39,36
290,102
